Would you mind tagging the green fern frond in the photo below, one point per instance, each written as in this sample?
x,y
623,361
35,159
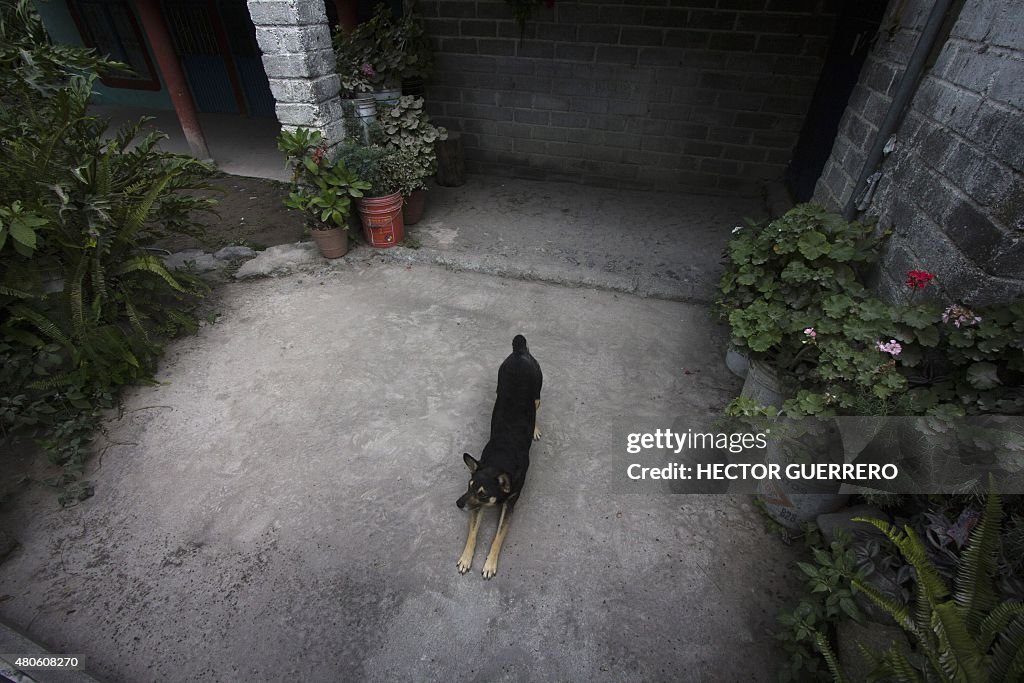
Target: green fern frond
x,y
18,293
185,321
913,550
898,668
829,655
959,656
150,264
136,216
896,610
99,282
135,318
996,621
57,381
45,326
1008,654
76,296
874,662
973,583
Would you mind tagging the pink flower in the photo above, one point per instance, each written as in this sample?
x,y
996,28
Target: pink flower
x,y
367,70
810,332
892,348
960,315
919,279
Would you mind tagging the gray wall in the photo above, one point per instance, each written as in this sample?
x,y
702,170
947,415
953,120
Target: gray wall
x,y
680,94
953,190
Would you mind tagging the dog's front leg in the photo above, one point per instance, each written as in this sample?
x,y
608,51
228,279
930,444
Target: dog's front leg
x,y
466,561
536,429
491,565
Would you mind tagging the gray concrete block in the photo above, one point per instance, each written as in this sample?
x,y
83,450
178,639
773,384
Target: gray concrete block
x,y
305,90
293,39
977,237
286,12
497,47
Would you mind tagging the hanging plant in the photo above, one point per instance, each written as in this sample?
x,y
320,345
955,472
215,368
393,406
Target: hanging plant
x,y
523,10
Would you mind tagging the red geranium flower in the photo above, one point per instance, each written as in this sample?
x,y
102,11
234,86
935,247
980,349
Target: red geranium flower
x,y
919,279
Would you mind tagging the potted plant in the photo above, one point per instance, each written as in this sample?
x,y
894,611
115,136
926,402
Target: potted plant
x,y
382,52
778,276
380,210
419,55
406,129
321,187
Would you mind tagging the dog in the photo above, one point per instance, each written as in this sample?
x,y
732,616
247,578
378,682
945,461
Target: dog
x,y
498,477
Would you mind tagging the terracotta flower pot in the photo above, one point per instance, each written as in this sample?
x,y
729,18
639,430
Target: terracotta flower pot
x,y
333,243
382,220
415,204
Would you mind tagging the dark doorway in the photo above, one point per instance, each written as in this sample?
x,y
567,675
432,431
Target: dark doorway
x,y
216,43
856,29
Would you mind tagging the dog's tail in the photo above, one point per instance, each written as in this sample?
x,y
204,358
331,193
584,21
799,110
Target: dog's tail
x,y
519,344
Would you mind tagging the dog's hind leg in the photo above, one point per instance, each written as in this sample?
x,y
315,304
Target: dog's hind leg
x,y
536,429
491,565
466,561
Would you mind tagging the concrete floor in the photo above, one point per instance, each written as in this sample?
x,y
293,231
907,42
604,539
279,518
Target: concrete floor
x,y
281,505
648,243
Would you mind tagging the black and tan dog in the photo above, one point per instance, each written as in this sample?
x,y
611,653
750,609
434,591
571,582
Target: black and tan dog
x,y
498,477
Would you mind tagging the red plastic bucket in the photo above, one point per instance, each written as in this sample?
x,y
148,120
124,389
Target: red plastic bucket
x,y
382,220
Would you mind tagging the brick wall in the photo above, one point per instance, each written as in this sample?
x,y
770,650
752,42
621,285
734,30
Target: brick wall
x,y
694,94
952,190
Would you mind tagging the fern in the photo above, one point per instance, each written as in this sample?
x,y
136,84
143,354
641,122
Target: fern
x,y
136,216
1008,654
997,620
830,657
896,666
974,591
964,635
45,326
150,264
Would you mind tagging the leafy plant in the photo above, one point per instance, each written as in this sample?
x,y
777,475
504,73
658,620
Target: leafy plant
x,y
379,53
406,129
961,632
793,295
780,277
319,186
381,169
84,305
522,10
828,599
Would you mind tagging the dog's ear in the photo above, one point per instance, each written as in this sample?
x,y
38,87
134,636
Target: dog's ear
x,y
471,463
505,483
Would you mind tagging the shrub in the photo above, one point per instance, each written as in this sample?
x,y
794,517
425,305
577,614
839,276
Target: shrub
x,y
83,304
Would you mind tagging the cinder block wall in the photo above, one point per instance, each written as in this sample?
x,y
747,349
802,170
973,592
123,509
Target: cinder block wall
x,y
952,190
687,94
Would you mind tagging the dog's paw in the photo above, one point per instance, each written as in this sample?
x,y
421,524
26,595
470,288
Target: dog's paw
x,y
464,564
490,569
536,433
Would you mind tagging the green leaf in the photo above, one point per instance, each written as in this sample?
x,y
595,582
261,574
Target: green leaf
x,y
21,231
983,376
813,244
928,336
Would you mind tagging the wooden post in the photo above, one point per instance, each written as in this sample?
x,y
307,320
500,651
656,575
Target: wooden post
x,y
174,77
451,166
